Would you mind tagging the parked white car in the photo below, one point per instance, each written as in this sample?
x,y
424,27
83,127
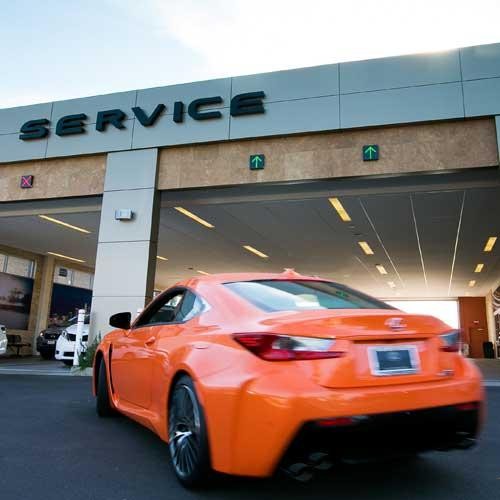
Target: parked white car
x,y
3,340
65,346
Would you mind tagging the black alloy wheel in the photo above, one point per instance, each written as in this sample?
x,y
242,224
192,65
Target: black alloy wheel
x,y
103,404
188,441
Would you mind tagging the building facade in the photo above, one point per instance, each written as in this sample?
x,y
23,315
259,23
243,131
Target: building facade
x,y
126,155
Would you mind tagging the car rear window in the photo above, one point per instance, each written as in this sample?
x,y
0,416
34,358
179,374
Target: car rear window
x,y
74,320
302,295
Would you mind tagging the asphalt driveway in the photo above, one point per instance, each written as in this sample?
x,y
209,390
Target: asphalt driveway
x,y
53,447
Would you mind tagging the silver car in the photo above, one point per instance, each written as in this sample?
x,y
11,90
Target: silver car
x,y
3,340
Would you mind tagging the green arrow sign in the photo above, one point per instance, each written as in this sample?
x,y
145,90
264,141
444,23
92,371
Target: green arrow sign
x,y
257,162
370,152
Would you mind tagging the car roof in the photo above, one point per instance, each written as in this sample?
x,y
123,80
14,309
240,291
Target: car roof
x,y
287,274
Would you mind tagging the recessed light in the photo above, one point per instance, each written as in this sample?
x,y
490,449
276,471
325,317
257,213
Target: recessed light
x,y
203,272
189,214
490,243
365,247
65,224
65,257
159,257
381,269
479,268
340,209
472,283
255,251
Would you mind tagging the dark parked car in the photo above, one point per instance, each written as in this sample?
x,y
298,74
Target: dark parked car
x,y
46,341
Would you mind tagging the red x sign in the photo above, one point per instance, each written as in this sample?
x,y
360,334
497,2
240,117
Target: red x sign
x,y
27,181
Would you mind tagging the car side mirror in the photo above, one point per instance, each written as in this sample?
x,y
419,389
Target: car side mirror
x,y
121,320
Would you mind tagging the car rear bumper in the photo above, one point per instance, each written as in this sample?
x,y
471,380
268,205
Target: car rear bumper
x,y
385,434
44,347
64,355
270,418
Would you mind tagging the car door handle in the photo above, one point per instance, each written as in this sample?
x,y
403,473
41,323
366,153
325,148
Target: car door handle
x,y
150,341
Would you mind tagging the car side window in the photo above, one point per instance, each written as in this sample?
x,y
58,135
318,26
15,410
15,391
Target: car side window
x,y
190,307
164,312
177,307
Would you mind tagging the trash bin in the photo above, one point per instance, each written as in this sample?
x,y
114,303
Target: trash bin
x,y
488,351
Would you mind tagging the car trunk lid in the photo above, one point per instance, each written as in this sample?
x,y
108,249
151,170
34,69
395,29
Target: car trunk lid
x,y
382,347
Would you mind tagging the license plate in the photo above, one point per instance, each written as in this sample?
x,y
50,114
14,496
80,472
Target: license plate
x,y
51,342
393,360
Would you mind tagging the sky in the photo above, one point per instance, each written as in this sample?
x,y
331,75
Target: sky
x,y
61,49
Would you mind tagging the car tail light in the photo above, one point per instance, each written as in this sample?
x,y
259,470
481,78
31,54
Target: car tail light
x,y
468,406
274,347
450,341
336,422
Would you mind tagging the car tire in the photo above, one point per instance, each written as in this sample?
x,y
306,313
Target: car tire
x,y
68,362
188,439
103,403
47,355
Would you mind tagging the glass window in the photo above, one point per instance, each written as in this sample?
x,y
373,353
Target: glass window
x,y
62,275
164,313
445,310
74,320
82,279
302,295
19,266
181,306
3,260
191,306
67,276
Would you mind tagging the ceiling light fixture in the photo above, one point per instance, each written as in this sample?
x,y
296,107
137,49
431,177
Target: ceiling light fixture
x,y
490,243
255,251
479,268
65,224
159,257
365,247
472,283
340,209
381,269
189,214
202,272
65,257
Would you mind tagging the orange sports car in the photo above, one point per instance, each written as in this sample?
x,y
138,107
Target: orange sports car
x,y
247,373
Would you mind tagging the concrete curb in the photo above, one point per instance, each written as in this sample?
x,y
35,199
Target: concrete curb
x,y
73,372
492,383
77,372
24,371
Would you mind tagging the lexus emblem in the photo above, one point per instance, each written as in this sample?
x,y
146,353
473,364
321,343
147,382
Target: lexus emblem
x,y
396,324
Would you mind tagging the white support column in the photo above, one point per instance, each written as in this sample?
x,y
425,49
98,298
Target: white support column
x,y
126,250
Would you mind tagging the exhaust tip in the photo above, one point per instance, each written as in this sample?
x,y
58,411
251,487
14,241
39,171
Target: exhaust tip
x,y
299,471
319,461
305,471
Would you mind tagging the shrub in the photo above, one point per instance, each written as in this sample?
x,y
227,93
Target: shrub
x,y
87,353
